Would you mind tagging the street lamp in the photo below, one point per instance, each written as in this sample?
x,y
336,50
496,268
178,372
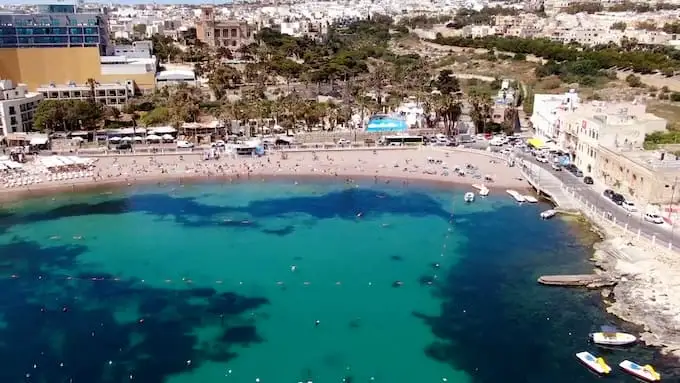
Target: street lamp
x,y
670,210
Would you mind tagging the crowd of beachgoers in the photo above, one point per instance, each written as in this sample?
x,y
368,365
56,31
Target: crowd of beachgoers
x,y
437,165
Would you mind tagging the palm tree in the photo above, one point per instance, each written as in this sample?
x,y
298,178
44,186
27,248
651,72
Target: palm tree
x,y
91,83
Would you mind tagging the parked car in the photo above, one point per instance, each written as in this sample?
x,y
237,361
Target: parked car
x,y
608,193
542,159
629,206
343,141
653,218
184,144
618,199
588,180
578,173
556,167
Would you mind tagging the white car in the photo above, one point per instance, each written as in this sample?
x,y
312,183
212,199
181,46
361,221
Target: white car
x,y
343,141
653,218
184,144
629,206
556,167
542,159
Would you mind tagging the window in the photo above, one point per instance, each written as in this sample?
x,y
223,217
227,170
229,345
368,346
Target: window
x,y
234,32
12,120
12,110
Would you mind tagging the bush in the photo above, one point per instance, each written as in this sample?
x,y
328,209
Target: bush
x,y
675,97
520,57
633,81
663,96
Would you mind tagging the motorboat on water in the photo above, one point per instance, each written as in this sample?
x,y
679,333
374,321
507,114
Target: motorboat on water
x,y
646,372
596,364
482,190
548,214
613,339
469,197
530,199
518,197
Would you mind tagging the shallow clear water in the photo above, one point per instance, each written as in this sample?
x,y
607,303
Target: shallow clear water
x,y
226,282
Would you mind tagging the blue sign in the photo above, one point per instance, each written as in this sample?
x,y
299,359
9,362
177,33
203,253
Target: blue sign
x,y
386,124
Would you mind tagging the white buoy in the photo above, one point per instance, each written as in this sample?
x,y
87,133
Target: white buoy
x,y
293,268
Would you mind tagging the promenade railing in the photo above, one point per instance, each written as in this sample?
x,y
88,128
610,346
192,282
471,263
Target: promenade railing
x,y
602,215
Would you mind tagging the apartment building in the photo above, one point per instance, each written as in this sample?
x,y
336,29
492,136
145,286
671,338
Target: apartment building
x,y
231,34
116,94
582,129
17,106
605,140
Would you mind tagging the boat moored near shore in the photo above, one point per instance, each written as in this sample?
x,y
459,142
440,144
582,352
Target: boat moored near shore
x,y
518,197
646,372
548,214
469,197
530,199
611,337
596,364
482,190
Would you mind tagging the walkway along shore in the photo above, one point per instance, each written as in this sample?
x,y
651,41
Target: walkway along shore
x,y
647,270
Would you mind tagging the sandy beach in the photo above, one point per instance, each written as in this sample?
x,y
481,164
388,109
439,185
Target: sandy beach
x,y
404,165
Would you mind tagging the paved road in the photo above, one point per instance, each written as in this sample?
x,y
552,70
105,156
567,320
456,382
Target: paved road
x,y
664,234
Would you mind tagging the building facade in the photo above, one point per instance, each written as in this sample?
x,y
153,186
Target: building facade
x,y
648,176
17,107
231,34
116,94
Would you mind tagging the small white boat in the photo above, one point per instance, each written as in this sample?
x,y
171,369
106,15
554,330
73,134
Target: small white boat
x,y
518,197
612,338
469,197
482,190
596,364
530,199
646,372
548,214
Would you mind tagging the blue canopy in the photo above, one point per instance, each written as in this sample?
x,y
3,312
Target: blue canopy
x,y
386,124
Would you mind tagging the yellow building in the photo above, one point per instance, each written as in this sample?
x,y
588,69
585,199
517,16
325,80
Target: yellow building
x,y
37,67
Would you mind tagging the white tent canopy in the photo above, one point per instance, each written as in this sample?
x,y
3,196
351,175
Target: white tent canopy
x,y
115,139
168,137
126,139
162,130
138,138
78,138
153,137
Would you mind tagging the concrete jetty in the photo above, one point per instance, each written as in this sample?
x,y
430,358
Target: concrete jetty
x,y
591,281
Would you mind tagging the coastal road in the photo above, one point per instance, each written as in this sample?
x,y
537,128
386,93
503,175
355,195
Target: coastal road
x,y
664,234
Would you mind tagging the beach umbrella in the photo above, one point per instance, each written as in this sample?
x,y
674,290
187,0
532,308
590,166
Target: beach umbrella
x,y
77,139
126,139
115,139
138,138
168,137
153,137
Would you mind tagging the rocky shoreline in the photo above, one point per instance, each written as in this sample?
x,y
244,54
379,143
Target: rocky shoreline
x,y
648,289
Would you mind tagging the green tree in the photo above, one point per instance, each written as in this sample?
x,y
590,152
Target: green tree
x,y
619,26
158,116
446,82
223,77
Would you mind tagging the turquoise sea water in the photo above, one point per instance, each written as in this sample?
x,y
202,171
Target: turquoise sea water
x,y
226,282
